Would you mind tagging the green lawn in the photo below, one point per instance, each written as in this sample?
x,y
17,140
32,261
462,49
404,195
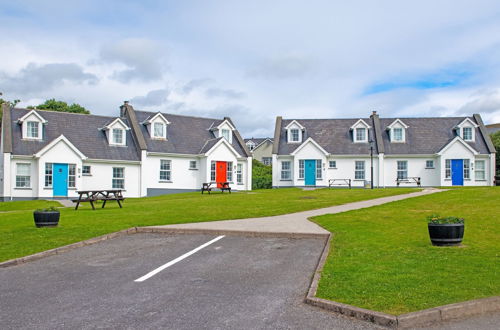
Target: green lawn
x,y
381,258
26,205
19,236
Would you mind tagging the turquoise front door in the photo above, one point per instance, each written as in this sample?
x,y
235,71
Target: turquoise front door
x,y
310,172
60,180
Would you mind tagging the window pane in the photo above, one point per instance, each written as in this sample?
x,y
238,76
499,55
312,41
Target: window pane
x,y
229,170
360,134
86,169
225,134
192,164
158,130
212,172
359,173
398,134
402,171
23,169
319,172
333,164
32,129
301,168
286,170
295,135
429,164
117,136
467,133
239,173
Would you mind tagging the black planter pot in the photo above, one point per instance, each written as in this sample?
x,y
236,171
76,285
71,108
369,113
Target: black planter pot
x,y
447,234
46,218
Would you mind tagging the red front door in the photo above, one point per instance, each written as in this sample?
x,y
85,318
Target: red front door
x,y
220,173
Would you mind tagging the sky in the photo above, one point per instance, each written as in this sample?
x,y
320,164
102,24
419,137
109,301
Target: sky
x,y
255,60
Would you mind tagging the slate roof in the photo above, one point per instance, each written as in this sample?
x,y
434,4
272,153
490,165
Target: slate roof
x,y
423,136
333,135
185,134
428,135
493,128
81,130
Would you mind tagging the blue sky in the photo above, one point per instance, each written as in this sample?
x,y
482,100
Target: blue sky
x,y
256,60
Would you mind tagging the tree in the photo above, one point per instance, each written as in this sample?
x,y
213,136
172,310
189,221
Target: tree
x,y
60,106
495,137
262,175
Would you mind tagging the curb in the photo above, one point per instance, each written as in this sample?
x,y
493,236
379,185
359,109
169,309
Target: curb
x,y
415,319
66,248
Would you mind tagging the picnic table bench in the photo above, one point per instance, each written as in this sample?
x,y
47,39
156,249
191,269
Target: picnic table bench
x,y
409,180
92,196
339,182
224,186
206,187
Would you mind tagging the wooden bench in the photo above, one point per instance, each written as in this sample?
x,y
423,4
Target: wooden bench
x,y
224,186
339,182
409,180
206,187
92,196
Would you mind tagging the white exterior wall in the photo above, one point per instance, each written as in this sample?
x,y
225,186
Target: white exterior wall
x,y
346,169
181,177
277,182
23,192
309,151
416,168
102,175
221,152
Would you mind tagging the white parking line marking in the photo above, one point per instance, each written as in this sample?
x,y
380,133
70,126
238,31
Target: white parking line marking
x,y
176,260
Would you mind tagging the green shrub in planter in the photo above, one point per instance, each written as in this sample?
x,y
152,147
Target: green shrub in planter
x,y
445,231
48,217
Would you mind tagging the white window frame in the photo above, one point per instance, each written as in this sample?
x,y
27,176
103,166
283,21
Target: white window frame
x,y
319,169
365,136
48,175
480,171
165,173
226,134
229,171
469,137
294,138
466,169
35,125
71,175
301,168
26,178
402,169
447,169
286,170
191,163
267,161
158,134
118,179
332,164
213,167
114,138
427,164
89,173
239,173
359,171
395,137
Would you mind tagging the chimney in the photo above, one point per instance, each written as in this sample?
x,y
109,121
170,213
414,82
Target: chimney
x,y
123,108
374,113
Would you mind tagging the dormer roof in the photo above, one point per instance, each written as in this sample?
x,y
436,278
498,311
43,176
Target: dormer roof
x,y
360,122
28,114
152,118
397,121
467,121
113,123
294,122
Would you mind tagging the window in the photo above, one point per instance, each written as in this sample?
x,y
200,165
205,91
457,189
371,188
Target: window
x,y
165,170
48,174
429,164
467,133
466,169
117,136
229,170
360,134
212,172
225,134
359,170
71,176
286,170
158,130
447,169
86,170
332,164
267,160
193,165
23,175
397,134
239,173
118,178
301,168
480,170
319,172
250,146
32,129
402,169
294,135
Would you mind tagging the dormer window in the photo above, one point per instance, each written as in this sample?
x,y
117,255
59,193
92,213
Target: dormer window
x,y
397,131
117,136
295,132
397,134
159,130
360,131
467,133
33,130
225,133
360,134
294,135
466,130
250,145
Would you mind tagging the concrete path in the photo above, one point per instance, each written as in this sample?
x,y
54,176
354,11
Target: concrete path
x,y
293,224
64,202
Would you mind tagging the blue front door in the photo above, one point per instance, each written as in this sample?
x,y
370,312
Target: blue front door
x,y
457,172
310,172
60,180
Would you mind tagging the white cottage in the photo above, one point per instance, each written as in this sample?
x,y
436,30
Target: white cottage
x,y
46,154
444,151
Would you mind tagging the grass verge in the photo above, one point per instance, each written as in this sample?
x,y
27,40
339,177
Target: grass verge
x,y
19,237
381,258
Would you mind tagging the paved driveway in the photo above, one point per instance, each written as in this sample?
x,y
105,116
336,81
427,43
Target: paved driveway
x,y
234,283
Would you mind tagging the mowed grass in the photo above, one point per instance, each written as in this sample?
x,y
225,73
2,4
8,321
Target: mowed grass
x,y
381,258
19,236
26,205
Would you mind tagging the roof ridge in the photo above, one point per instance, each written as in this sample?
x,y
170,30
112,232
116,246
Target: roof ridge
x,y
177,115
64,112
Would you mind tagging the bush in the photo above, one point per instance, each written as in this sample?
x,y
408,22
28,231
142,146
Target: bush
x,y
439,220
262,175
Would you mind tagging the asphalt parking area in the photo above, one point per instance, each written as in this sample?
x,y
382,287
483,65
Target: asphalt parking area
x,y
233,283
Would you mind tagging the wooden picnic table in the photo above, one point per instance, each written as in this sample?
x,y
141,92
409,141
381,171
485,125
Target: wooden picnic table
x,y
92,196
